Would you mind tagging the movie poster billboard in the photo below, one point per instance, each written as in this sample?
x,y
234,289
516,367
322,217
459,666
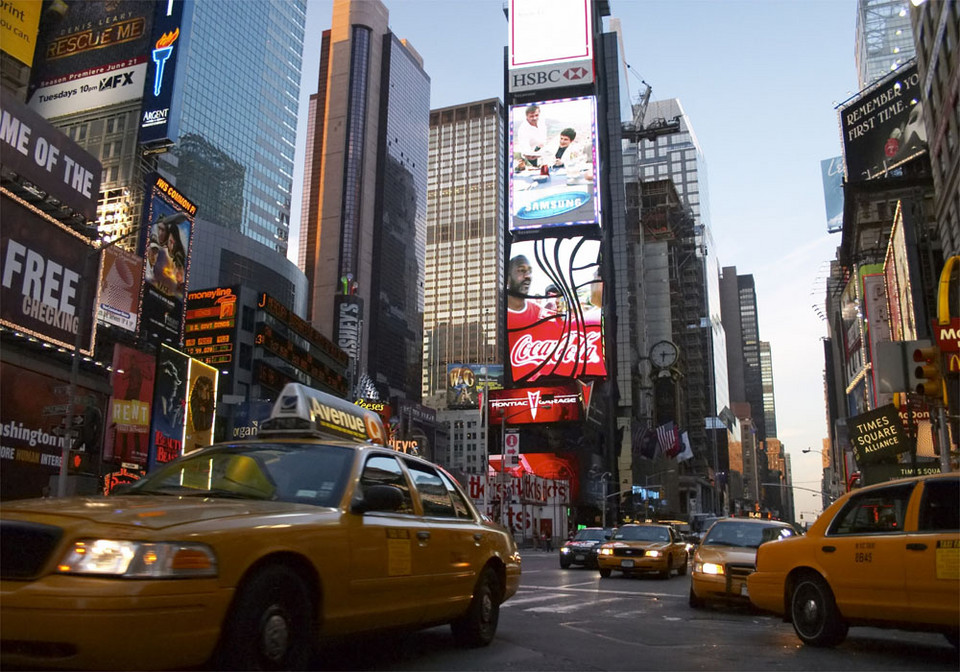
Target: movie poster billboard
x,y
90,54
883,126
127,439
554,309
550,43
201,406
33,412
168,421
553,164
166,236
466,382
43,266
119,303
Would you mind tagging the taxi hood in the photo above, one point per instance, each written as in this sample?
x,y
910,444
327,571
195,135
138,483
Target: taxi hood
x,y
150,512
738,555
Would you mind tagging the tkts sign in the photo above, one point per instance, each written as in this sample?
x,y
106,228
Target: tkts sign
x,y
535,405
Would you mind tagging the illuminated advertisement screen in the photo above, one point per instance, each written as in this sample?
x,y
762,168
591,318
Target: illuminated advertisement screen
x,y
883,127
554,309
211,324
897,273
566,58
166,236
128,416
553,164
832,174
120,288
161,110
466,382
560,403
168,420
201,406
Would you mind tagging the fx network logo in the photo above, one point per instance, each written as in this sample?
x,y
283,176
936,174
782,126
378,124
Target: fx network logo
x,y
161,53
116,81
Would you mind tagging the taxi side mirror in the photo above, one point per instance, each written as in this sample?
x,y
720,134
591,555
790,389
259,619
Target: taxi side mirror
x,y
377,498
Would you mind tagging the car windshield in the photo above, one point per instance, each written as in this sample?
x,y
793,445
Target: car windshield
x,y
746,535
592,535
643,534
302,473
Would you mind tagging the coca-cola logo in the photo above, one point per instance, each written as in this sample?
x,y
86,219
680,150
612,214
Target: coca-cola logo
x,y
528,351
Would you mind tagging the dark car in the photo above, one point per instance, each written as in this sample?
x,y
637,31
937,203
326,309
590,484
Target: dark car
x,y
583,548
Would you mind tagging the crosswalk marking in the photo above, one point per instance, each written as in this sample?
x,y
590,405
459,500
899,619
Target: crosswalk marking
x,y
567,608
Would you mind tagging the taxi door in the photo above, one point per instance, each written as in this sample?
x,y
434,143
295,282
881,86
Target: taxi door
x,y
933,554
862,553
455,544
390,564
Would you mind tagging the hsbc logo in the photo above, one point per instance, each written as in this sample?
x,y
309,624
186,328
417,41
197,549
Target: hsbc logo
x,y
546,77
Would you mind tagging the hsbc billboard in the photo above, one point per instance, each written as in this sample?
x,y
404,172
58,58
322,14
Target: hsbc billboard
x,y
551,44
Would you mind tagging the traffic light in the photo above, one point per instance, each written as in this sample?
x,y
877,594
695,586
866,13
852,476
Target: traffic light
x,y
78,462
927,372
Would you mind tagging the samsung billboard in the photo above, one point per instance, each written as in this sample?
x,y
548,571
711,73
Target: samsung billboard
x,y
553,164
550,44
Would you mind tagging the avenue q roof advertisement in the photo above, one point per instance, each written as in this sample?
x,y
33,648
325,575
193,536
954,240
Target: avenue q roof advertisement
x,y
43,267
89,54
883,127
553,164
554,309
551,44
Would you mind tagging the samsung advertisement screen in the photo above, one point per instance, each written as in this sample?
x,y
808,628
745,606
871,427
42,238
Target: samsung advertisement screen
x,y
553,164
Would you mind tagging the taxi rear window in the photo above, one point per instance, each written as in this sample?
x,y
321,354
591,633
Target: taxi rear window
x,y
881,511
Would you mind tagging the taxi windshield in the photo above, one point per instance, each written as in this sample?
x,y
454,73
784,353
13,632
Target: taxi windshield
x,y
746,535
643,534
592,535
301,473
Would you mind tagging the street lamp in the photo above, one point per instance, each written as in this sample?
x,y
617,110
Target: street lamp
x,y
603,481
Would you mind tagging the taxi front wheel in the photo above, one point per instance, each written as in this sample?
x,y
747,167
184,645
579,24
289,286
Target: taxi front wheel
x,y
270,624
814,613
479,625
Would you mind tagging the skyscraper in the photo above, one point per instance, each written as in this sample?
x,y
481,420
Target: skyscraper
x,y
464,290
884,38
769,399
363,233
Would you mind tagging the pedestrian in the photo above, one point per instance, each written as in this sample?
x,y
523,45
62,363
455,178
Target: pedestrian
x,y
536,539
548,540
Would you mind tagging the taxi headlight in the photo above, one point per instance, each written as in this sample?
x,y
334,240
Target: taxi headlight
x,y
138,560
606,551
565,550
708,568
654,554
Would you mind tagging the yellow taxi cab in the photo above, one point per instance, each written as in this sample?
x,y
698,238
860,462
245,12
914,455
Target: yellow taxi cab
x,y
727,555
886,555
637,548
247,555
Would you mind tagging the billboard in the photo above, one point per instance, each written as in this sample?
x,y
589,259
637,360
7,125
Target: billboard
x,y
883,126
120,289
553,164
210,330
42,266
898,273
832,173
165,238
554,309
18,30
31,147
127,438
201,397
550,44
168,421
160,120
466,382
90,54
559,403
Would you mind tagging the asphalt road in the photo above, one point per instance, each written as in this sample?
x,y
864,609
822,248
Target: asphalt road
x,y
574,620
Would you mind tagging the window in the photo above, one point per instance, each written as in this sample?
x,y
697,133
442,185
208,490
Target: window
x,y
938,510
383,470
463,511
874,512
433,492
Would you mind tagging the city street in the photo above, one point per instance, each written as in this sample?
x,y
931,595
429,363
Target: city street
x,y
573,620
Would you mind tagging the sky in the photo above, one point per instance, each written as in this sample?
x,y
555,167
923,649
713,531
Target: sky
x,y
759,81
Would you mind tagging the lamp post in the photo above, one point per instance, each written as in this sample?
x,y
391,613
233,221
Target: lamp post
x,y
603,481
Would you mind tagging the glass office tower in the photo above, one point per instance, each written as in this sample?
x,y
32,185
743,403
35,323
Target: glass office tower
x,y
241,87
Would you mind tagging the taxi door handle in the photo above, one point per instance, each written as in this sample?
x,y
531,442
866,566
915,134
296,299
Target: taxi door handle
x,y
828,549
423,535
916,547
478,537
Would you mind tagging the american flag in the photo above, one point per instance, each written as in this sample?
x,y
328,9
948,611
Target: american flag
x,y
668,440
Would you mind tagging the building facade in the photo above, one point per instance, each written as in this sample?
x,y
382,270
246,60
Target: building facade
x,y
363,231
884,40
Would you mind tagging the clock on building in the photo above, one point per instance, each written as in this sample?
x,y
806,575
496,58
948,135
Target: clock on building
x,y
664,354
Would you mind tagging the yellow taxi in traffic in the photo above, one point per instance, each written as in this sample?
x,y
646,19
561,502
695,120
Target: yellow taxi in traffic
x,y
638,548
246,555
727,555
886,555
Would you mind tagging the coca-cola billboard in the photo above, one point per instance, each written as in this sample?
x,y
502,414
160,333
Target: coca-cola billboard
x,y
554,309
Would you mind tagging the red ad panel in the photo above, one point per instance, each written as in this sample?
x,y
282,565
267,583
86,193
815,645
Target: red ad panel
x,y
127,438
539,405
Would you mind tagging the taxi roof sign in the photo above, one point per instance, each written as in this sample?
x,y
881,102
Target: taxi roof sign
x,y
300,409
